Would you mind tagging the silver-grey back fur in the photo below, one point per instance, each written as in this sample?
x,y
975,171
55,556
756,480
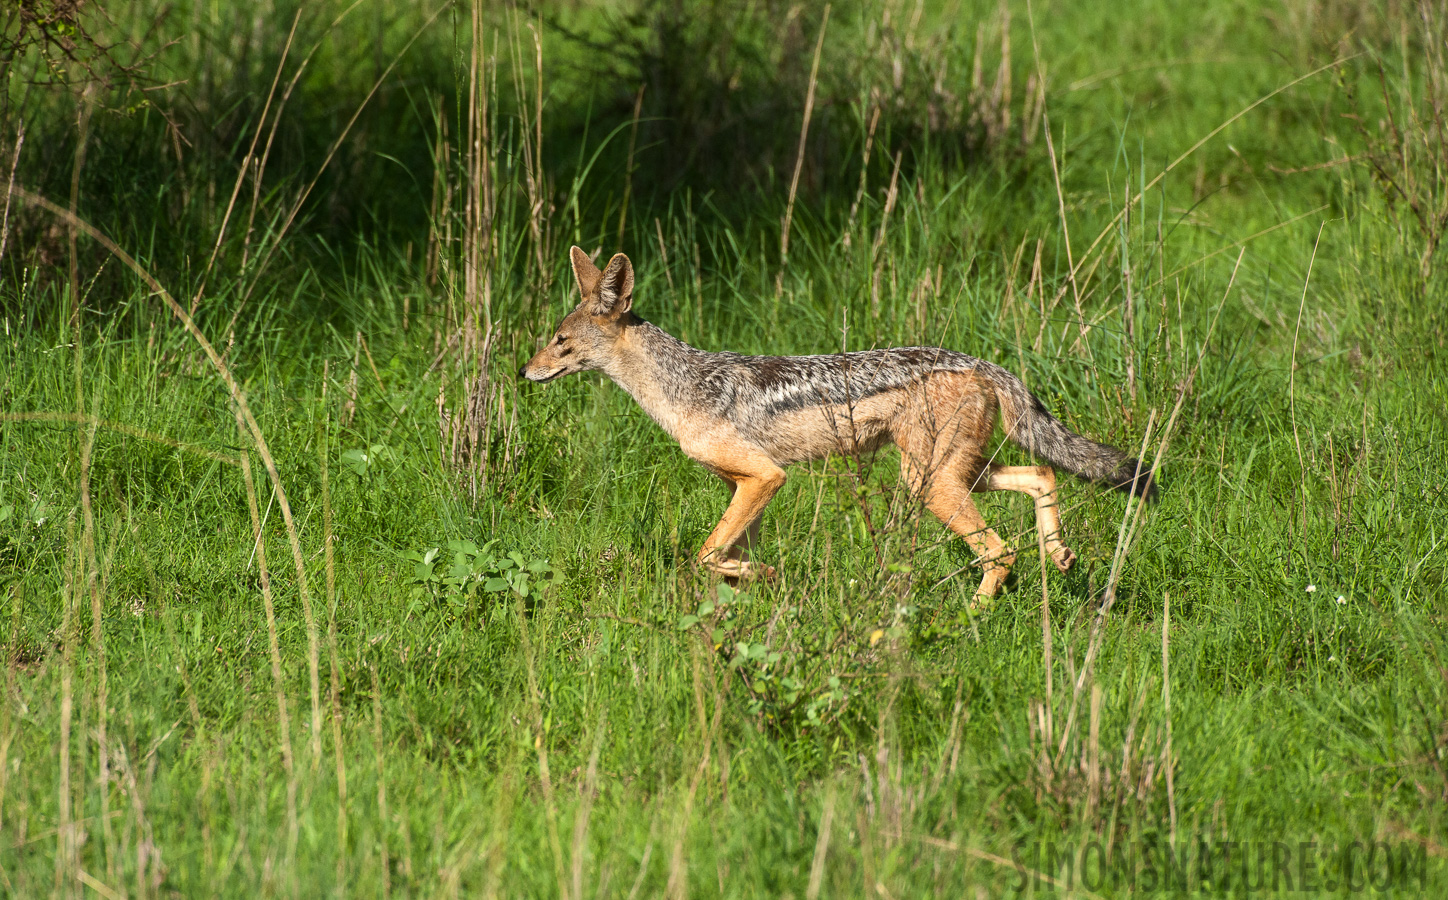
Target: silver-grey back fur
x,y
750,391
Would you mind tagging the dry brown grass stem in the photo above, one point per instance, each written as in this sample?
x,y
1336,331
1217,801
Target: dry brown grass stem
x,y
1292,381
260,166
122,428
1236,245
809,98
579,852
284,726
466,430
1132,516
10,185
478,209
1046,640
95,588
66,849
329,557
276,239
247,424
1166,706
246,161
822,846
633,135
540,745
864,174
87,106
1060,199
677,886
877,264
644,863
379,749
533,148
85,551
1110,226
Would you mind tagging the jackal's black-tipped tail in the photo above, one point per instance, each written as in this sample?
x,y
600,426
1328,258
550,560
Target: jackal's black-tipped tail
x,y
1031,426
1134,477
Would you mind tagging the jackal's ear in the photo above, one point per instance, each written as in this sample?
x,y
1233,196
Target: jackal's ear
x,y
615,288
584,271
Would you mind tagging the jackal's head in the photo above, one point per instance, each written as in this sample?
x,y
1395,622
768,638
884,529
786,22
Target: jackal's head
x,y
587,336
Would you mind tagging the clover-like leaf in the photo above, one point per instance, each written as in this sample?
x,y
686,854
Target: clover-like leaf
x,y
357,461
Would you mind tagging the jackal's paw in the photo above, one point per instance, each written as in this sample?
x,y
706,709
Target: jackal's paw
x,y
1063,557
738,570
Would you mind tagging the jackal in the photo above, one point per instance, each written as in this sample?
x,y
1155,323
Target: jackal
x,y
746,417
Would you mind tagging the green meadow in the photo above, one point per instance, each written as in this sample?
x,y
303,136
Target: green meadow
x,y
304,593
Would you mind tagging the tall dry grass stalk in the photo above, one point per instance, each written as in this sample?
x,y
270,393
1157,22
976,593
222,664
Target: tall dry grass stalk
x,y
1071,280
67,856
274,238
1301,488
380,751
540,745
1094,252
809,100
1166,707
246,424
95,588
7,726
1408,152
250,431
87,102
538,185
587,794
677,885
10,186
477,324
822,846
284,729
330,563
633,136
1071,766
466,430
251,166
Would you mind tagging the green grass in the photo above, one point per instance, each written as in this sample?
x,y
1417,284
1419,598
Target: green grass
x,y
632,729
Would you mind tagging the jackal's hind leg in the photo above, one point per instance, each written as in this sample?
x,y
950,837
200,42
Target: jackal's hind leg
x,y
726,551
946,495
1040,483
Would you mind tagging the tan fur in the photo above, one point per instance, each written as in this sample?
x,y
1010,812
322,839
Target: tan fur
x,y
941,421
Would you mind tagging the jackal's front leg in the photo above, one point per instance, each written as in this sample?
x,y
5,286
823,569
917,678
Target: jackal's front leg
x,y
753,490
